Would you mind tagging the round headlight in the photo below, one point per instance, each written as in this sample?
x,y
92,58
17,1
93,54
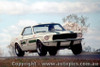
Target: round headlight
x,y
46,37
79,35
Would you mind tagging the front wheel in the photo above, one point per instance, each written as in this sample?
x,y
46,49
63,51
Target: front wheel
x,y
76,49
53,52
19,51
41,49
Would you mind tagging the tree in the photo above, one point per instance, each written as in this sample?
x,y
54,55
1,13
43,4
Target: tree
x,y
76,23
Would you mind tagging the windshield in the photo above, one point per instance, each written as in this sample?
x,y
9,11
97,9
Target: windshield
x,y
48,28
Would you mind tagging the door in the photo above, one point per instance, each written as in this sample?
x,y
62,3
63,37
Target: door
x,y
27,41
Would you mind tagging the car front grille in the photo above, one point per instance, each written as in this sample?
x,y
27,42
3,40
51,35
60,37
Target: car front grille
x,y
64,36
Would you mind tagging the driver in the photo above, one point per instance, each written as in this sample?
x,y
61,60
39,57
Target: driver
x,y
52,29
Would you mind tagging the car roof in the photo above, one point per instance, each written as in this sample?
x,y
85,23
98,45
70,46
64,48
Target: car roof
x,y
41,24
46,24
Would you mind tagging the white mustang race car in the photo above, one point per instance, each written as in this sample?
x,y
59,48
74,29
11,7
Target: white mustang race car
x,y
46,37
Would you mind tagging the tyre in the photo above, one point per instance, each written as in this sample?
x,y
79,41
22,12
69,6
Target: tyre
x,y
19,51
76,49
41,49
52,51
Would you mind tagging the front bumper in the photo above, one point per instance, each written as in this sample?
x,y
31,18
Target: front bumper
x,y
63,42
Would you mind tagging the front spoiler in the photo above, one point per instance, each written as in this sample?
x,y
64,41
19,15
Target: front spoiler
x,y
63,42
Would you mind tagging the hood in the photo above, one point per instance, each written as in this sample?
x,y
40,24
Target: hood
x,y
53,33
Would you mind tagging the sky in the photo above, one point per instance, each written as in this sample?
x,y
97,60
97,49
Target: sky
x,y
16,14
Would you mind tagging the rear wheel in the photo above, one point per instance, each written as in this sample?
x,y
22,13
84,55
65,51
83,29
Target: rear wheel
x,y
19,51
76,49
41,49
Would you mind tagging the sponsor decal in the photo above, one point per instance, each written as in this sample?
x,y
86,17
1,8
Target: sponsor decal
x,y
23,42
32,41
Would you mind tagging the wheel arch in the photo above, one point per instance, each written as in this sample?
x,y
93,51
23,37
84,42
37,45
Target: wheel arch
x,y
38,40
16,43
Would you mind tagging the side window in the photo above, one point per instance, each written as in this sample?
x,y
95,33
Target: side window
x,y
27,31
